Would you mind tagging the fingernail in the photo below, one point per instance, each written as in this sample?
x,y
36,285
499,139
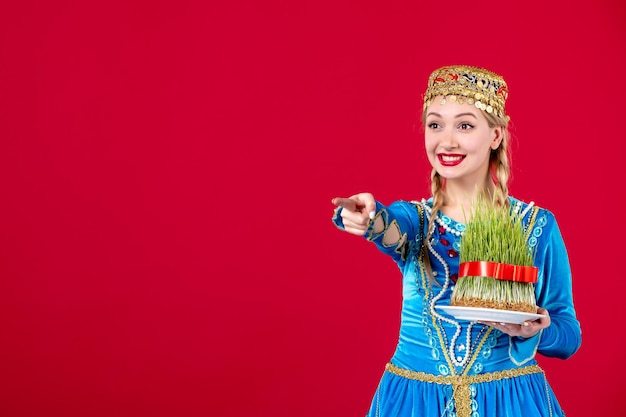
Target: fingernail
x,y
526,324
502,323
372,214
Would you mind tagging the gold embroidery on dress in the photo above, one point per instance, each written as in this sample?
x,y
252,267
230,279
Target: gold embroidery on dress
x,y
401,239
401,244
461,383
531,222
384,217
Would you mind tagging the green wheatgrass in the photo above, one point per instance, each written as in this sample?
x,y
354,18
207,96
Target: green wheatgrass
x,y
494,234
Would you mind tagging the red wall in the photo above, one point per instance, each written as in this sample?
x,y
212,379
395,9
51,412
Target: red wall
x,y
167,169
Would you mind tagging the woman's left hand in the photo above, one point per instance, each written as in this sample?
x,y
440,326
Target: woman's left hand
x,y
526,329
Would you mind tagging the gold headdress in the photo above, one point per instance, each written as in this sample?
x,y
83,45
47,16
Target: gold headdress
x,y
482,88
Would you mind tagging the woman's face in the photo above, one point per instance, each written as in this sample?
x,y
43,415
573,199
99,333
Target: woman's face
x,y
458,140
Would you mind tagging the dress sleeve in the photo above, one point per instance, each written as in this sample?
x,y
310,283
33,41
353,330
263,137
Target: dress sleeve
x,y
554,291
402,215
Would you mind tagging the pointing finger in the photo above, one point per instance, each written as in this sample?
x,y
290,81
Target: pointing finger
x,y
346,203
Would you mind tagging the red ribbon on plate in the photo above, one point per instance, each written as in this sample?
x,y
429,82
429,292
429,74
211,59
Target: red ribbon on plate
x,y
497,270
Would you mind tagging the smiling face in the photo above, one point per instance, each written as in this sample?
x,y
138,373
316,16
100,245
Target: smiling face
x,y
459,140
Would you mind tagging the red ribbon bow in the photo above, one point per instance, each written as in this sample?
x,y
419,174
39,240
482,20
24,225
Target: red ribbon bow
x,y
497,270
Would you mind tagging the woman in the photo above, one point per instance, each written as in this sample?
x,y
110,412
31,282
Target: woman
x,y
444,366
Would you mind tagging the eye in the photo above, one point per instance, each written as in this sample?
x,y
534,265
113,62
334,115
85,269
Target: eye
x,y
466,126
433,125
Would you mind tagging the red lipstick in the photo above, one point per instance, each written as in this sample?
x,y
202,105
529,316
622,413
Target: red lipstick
x,y
450,159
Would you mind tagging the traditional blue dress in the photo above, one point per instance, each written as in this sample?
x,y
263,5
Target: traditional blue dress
x,y
448,367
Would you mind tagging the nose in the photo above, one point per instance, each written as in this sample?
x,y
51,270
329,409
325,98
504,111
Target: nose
x,y
448,139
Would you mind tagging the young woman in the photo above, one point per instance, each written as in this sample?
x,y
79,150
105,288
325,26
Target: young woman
x,y
442,365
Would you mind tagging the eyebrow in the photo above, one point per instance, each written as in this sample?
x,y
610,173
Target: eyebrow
x,y
457,116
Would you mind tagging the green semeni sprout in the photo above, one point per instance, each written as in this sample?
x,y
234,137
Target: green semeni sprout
x,y
494,234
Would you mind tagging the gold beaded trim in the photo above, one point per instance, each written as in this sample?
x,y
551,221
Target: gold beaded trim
x,y
461,383
531,222
484,89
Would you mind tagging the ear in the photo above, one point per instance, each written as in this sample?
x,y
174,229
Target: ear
x,y
498,135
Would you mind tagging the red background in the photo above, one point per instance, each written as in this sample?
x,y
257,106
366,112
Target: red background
x,y
166,175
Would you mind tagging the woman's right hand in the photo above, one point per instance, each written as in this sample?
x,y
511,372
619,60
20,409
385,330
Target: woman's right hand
x,y
358,211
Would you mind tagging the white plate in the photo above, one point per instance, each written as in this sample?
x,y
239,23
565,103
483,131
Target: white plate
x,y
489,314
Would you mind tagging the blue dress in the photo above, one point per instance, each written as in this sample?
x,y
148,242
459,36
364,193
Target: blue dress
x,y
447,367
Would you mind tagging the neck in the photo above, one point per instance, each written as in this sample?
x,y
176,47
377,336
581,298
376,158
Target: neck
x,y
459,198
459,193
